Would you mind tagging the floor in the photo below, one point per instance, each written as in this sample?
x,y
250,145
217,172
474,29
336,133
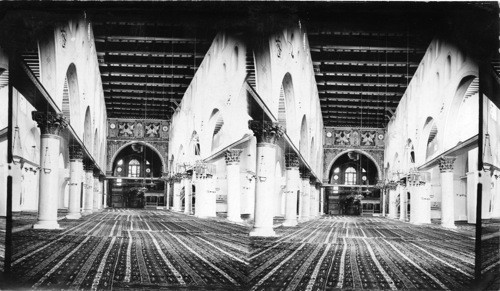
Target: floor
x,y
158,249
122,249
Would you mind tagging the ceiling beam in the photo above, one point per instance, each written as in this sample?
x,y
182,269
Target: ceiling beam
x,y
140,92
116,98
336,99
364,63
148,39
358,74
379,107
147,65
142,84
361,84
360,93
150,54
144,75
351,48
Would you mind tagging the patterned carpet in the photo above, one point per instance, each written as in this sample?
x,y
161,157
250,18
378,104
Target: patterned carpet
x,y
356,253
123,249
157,249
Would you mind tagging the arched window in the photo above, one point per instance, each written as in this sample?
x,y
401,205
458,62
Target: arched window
x,y
350,176
134,168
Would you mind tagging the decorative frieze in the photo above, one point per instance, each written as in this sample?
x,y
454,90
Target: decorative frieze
x,y
233,156
138,128
49,123
292,161
446,164
266,131
75,152
354,137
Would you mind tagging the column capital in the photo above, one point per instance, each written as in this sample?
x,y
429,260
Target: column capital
x,y
305,175
88,165
233,156
187,175
177,177
266,131
446,164
292,161
49,122
75,152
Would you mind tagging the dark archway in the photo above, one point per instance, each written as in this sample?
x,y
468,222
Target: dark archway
x,y
136,181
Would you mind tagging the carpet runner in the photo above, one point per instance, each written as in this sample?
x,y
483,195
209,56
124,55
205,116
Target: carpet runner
x,y
133,249
354,253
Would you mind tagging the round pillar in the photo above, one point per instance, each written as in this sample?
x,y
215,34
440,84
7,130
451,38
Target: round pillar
x,y
233,185
88,195
188,209
447,195
306,197
50,125
313,212
210,200
292,187
267,134
384,194
177,194
75,182
95,197
403,203
392,201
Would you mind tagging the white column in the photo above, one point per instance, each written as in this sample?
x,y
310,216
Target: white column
x,y
88,185
177,194
167,194
292,186
75,183
415,208
188,194
486,197
393,194
322,201
211,201
233,185
447,195
96,201
313,206
384,201
305,195
403,202
267,133
101,193
50,125
201,196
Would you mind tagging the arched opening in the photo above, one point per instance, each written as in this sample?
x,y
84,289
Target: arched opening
x,y
217,122
311,155
195,144
136,181
303,137
87,129
71,95
462,118
95,149
430,127
353,176
286,104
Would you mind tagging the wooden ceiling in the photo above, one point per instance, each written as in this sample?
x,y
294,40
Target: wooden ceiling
x,y
147,66
364,54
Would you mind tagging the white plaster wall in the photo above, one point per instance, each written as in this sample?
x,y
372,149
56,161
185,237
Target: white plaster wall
x,y
73,44
218,85
430,96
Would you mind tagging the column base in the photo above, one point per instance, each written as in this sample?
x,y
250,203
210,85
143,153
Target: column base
x,y
235,219
290,223
46,225
449,226
262,231
74,216
86,212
